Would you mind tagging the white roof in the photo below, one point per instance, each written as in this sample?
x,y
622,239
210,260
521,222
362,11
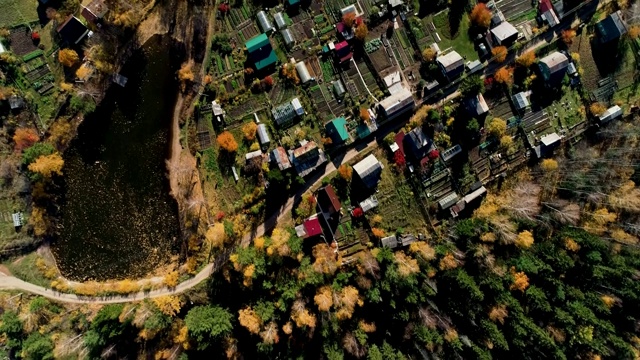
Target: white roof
x,y
297,106
611,113
504,31
392,78
264,22
450,60
280,23
2,49
349,9
555,61
253,154
550,139
366,164
303,72
369,203
521,100
397,101
394,147
479,192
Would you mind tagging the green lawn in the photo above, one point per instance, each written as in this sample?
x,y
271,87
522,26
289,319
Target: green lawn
x,y
15,12
26,269
459,41
568,109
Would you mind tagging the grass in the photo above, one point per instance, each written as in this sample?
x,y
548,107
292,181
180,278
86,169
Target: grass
x,y
16,12
460,41
8,236
25,268
568,115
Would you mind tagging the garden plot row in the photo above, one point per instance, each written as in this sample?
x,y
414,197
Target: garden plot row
x,y
512,9
317,95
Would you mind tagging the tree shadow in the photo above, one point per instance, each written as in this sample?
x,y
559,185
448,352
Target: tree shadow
x,y
456,11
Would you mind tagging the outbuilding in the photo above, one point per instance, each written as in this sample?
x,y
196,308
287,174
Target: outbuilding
x,y
265,23
263,135
369,171
289,40
303,72
504,34
280,21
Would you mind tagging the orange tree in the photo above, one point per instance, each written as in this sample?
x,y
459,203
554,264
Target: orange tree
x,y
68,57
527,59
361,32
227,142
349,19
567,36
504,76
364,115
500,53
481,16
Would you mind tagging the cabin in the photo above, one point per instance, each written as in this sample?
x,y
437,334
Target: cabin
x,y
94,12
73,31
18,219
451,65
399,102
339,89
552,68
476,106
521,101
309,228
280,158
261,52
369,171
369,203
611,28
548,14
336,129
263,135
307,158
218,113
504,34
284,114
16,102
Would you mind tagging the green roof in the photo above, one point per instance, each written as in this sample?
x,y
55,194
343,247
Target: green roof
x,y
363,131
337,130
293,2
257,42
269,60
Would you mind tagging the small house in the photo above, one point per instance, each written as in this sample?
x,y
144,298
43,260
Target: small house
x,y
280,21
297,106
369,203
16,102
252,155
218,113
289,40
369,171
610,114
261,52
309,228
263,135
548,14
265,24
328,201
451,65
284,114
390,242
418,143
303,72
521,101
281,159
336,129
343,52
307,158
94,11
351,9
553,67
292,3
476,106
504,34
73,31
398,103
611,28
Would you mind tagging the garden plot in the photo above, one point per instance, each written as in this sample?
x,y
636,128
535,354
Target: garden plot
x,y
535,124
247,30
381,60
324,111
281,93
313,65
590,74
404,51
16,12
249,106
499,106
21,42
567,112
514,9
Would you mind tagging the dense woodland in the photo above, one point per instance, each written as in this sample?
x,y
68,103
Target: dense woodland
x,y
547,267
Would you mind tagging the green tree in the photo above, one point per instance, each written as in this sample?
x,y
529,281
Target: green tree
x,y
37,347
38,149
84,105
105,327
11,327
472,85
208,323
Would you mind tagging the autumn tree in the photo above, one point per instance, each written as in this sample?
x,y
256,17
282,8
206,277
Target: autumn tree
x,y
47,165
324,298
527,59
267,82
290,73
269,334
481,16
524,239
249,130
634,32
185,74
499,53
227,142
428,54
498,313
68,57
406,264
24,138
497,127
364,115
325,259
349,19
361,32
378,233
567,36
216,236
346,172
249,319
549,165
169,305
302,316
504,76
520,280
597,108
448,262
423,250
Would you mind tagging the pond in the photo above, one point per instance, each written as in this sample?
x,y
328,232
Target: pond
x,y
118,219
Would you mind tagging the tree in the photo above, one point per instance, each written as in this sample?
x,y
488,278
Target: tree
x,y
68,57
270,333
527,59
520,281
524,239
504,76
568,36
224,8
47,165
267,82
66,87
473,126
11,327
423,249
361,32
249,130
207,324
185,74
497,127
498,313
378,233
506,141
549,165
428,54
227,142
222,44
249,319
349,19
597,108
364,115
324,298
30,154
83,72
357,212
472,85
24,138
290,73
481,16
169,305
345,171
83,104
399,160
500,53
37,347
634,32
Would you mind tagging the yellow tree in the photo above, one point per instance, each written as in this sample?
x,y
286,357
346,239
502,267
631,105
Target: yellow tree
x,y
47,165
349,298
326,261
634,32
345,171
428,54
24,138
520,280
549,165
361,32
527,59
185,74
406,264
497,127
500,53
448,262
250,320
68,57
597,108
324,298
423,249
481,15
249,131
524,239
378,233
498,313
169,305
302,316
568,36
215,235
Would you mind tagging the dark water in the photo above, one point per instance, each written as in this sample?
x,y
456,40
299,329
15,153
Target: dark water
x,y
118,217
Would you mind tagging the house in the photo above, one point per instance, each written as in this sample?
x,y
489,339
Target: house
x,y
307,158
343,52
418,143
611,28
94,12
289,40
16,102
548,14
218,113
451,65
265,24
73,31
474,66
336,129
279,19
280,157
369,171
476,106
521,100
303,72
390,242
553,67
309,228
328,201
611,113
284,114
263,135
260,51
297,106
396,104
504,34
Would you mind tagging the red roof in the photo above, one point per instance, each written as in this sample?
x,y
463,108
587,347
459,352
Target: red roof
x,y
341,45
399,141
312,227
340,26
545,5
329,200
346,57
